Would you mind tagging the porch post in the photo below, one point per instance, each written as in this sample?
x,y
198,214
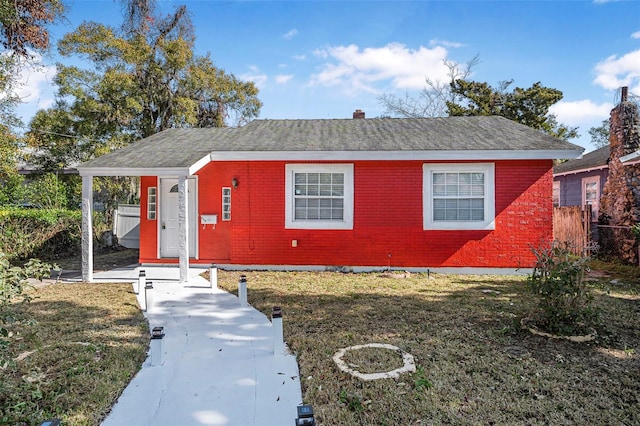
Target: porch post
x,y
183,221
87,228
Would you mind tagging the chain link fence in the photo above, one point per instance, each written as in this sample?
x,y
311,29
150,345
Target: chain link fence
x,y
616,242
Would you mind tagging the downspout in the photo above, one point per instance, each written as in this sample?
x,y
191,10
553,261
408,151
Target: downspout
x,y
87,228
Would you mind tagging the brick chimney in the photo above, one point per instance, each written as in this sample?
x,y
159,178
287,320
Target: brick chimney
x,y
358,114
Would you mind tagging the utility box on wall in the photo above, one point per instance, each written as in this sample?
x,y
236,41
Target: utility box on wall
x,y
208,219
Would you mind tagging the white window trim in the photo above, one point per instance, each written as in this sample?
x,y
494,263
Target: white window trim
x,y
226,215
489,199
346,223
595,205
152,200
557,187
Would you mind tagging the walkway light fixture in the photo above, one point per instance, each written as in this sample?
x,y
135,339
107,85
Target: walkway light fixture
x,y
305,416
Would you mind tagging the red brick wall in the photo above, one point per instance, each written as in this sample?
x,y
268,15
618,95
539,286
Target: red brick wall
x,y
387,220
148,228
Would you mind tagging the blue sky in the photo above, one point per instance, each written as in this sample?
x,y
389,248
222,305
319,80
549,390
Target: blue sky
x,y
324,59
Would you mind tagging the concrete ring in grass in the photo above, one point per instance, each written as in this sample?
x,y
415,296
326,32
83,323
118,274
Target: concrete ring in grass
x,y
407,359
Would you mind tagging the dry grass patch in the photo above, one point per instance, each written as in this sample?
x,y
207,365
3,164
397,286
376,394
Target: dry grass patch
x,y
475,365
87,342
370,360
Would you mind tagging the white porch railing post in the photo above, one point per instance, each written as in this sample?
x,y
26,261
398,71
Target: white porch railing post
x,y
278,334
213,276
87,228
183,221
242,290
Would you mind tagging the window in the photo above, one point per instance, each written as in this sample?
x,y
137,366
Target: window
x,y
458,196
151,203
319,196
591,195
226,203
556,193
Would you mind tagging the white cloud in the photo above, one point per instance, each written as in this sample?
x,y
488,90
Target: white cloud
x,y
636,34
445,43
33,79
359,70
299,57
615,72
579,113
259,78
34,82
283,78
290,34
34,86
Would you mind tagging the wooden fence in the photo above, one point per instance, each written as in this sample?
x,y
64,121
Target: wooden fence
x,y
572,227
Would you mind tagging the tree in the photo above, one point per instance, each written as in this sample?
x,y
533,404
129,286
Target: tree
x,y
432,100
24,24
140,83
600,134
138,15
148,82
141,80
9,141
528,106
23,31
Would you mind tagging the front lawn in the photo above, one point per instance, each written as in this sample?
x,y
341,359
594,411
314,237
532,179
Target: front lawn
x,y
81,348
475,364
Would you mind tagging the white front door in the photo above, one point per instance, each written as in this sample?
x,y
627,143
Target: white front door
x,y
169,225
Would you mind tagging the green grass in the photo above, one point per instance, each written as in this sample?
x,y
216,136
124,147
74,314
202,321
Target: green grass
x,y
87,342
475,363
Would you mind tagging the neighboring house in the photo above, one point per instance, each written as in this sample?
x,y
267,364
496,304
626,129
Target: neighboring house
x,y
365,194
579,182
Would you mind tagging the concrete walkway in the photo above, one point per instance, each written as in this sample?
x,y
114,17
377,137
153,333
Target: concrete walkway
x,y
216,365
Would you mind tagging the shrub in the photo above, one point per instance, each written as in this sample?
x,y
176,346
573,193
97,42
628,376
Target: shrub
x,y
26,233
558,281
13,281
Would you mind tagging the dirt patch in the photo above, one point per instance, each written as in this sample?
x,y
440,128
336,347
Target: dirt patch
x,y
102,260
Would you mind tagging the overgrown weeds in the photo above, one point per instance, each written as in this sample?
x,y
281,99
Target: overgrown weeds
x,y
27,233
13,297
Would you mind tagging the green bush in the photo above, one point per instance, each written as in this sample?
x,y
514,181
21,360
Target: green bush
x,y
50,233
47,190
13,281
558,282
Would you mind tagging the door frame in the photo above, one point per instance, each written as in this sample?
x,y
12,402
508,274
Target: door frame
x,y
193,215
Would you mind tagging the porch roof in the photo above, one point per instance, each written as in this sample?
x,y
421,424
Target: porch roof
x,y
183,151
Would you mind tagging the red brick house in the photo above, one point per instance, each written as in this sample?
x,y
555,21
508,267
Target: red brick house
x,y
361,194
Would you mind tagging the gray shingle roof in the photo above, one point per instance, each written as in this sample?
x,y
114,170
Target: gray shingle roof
x,y
170,148
594,159
184,147
393,134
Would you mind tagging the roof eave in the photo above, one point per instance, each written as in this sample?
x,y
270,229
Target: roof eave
x,y
583,170
134,171
423,155
634,156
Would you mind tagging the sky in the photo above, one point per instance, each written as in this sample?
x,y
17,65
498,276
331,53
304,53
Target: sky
x,y
325,59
